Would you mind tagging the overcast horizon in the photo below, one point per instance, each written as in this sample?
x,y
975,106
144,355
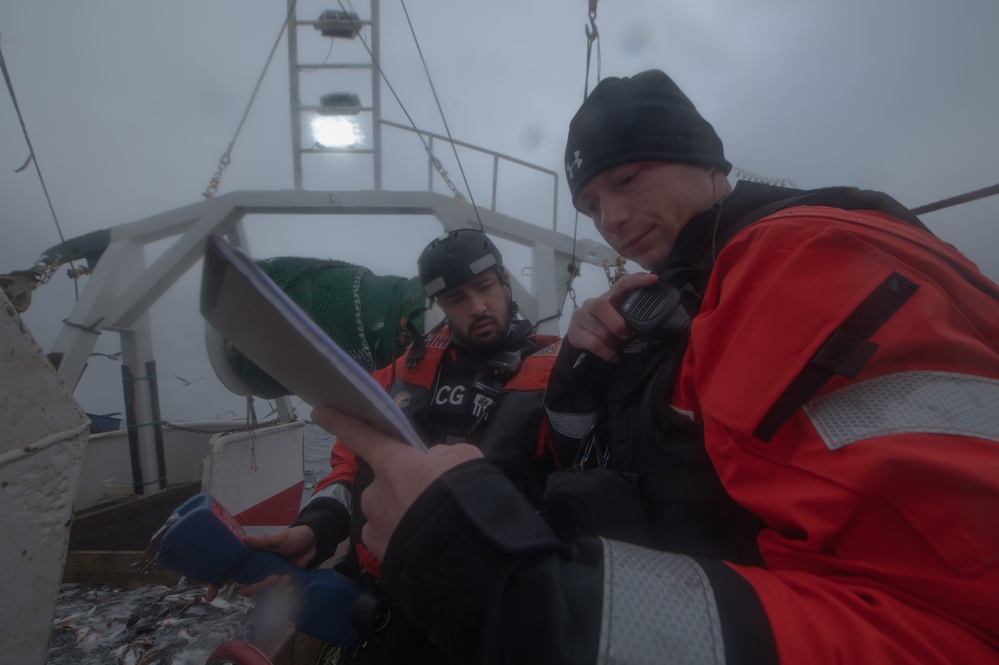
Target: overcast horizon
x,y
129,107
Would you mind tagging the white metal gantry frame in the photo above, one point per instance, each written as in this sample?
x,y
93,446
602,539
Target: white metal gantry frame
x,y
122,287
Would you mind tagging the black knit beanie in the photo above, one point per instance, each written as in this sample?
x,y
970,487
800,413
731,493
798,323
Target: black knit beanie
x,y
642,118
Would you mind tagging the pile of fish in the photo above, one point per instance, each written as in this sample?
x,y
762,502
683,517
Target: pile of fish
x,y
150,625
157,625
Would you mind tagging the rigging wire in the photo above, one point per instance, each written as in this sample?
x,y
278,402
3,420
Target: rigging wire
x,y
32,158
436,162
955,200
437,100
592,35
213,184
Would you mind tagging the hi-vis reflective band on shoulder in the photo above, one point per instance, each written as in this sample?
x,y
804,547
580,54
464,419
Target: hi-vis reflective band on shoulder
x,y
845,352
908,402
335,491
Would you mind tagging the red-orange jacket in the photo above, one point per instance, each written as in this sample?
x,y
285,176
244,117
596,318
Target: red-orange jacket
x,y
516,438
880,494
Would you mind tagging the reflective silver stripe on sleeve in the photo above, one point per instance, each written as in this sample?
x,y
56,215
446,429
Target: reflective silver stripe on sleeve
x,y
574,425
908,402
334,491
658,607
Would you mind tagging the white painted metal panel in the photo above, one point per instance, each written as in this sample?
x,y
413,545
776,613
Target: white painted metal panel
x,y
258,475
43,433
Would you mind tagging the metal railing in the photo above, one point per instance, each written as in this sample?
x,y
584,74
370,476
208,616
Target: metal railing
x,y
496,158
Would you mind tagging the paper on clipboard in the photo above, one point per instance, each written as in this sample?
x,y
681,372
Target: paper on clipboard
x,y
242,303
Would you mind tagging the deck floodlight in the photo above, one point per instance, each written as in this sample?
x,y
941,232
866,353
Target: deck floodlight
x,y
338,23
337,131
339,103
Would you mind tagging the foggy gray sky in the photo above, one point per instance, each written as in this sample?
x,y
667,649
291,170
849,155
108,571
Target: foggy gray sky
x,y
130,104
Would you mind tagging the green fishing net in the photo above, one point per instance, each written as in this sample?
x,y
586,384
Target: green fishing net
x,y
366,314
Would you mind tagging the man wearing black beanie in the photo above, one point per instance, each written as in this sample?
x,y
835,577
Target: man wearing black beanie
x,y
787,434
642,118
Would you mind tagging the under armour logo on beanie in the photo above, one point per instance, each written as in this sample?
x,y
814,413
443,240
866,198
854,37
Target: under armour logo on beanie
x,y
574,164
642,118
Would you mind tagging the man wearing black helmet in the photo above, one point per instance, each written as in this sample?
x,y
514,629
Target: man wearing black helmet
x,y
824,390
479,378
457,267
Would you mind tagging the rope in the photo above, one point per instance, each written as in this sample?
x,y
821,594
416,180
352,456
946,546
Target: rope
x,y
32,158
229,430
213,184
90,329
151,482
355,291
151,423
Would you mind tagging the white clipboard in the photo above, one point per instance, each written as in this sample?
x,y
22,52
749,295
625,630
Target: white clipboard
x,y
241,302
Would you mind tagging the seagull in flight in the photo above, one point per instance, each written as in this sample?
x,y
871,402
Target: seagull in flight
x,y
187,382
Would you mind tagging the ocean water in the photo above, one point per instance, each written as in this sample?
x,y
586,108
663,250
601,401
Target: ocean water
x,y
318,444
158,625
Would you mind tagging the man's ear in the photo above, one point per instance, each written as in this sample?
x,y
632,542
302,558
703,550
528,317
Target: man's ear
x,y
720,184
514,307
507,284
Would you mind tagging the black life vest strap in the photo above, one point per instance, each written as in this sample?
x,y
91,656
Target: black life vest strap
x,y
848,348
492,378
844,353
418,348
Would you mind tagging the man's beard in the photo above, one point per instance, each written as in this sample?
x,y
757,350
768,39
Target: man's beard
x,y
495,337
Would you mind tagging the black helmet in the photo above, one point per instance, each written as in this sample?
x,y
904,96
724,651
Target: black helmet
x,y
455,258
